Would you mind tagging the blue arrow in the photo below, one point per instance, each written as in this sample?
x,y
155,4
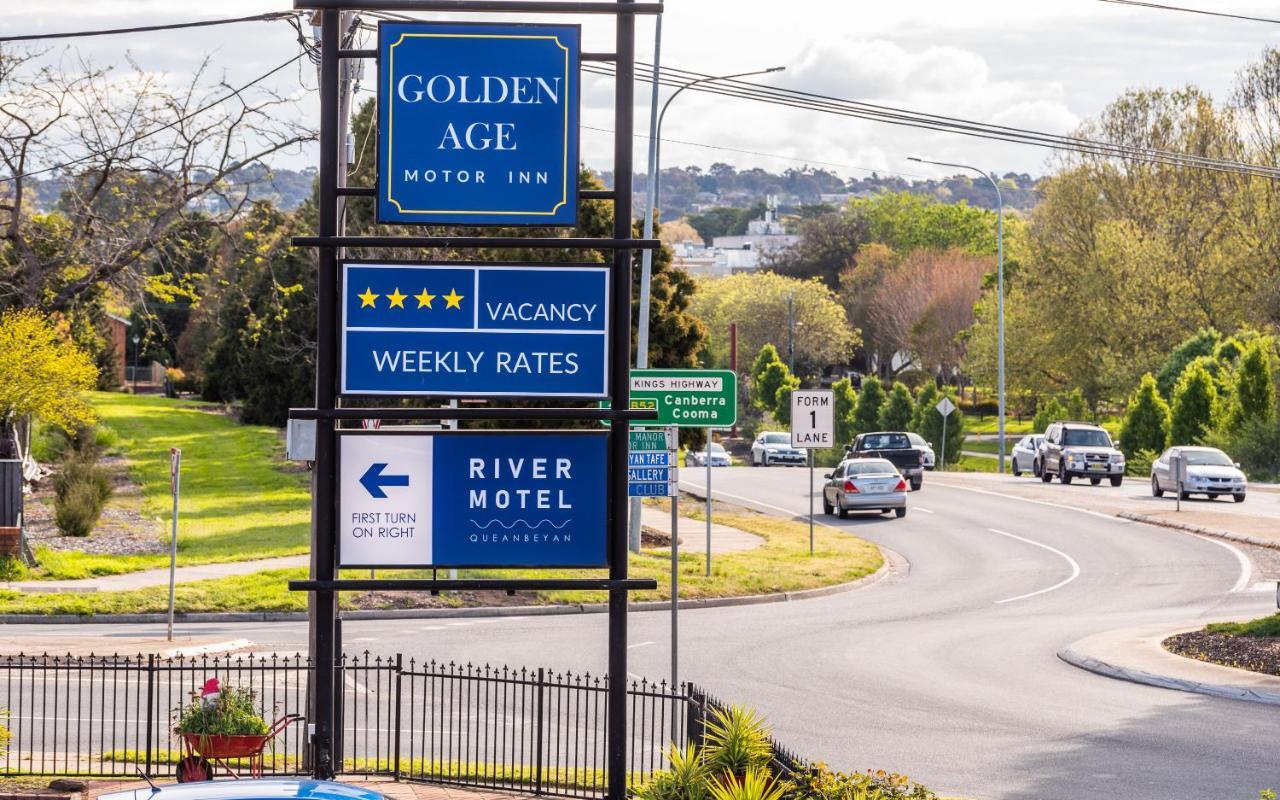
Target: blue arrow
x,y
373,480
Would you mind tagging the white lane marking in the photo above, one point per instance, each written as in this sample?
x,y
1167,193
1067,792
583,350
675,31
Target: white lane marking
x,y
1075,568
1246,566
753,501
921,508
638,644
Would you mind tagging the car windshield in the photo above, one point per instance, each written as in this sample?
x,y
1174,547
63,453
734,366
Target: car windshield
x,y
717,449
777,438
1206,458
1086,437
885,441
916,439
870,466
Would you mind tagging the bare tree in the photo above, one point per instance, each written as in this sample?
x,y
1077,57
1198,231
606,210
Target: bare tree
x,y
134,159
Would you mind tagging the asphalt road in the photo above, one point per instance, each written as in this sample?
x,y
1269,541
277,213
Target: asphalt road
x,y
946,671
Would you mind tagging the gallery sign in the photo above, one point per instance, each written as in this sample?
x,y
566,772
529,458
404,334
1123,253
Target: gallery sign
x,y
472,499
475,330
478,123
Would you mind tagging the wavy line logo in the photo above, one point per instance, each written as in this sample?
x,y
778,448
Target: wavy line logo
x,y
506,527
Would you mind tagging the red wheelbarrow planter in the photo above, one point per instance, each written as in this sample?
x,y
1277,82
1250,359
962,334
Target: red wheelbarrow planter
x,y
204,751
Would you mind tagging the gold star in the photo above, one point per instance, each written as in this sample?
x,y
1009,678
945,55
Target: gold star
x,y
366,299
424,299
397,299
453,300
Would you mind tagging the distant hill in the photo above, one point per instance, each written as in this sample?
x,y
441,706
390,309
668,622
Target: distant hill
x,y
285,188
692,190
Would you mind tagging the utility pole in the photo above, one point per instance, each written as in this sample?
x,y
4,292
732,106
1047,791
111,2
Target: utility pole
x,y
791,334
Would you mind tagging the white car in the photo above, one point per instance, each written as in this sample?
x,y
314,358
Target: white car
x,y
865,484
1023,456
774,447
918,441
1210,472
698,458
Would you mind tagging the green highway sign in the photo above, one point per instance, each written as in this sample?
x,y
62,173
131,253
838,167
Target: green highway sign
x,y
686,398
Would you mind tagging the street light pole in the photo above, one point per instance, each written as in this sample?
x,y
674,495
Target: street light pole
x,y
791,334
136,339
999,294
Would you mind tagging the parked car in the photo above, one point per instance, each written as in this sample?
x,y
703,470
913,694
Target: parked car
x,y
1023,456
1079,450
774,447
918,441
896,447
864,484
1209,472
698,458
256,789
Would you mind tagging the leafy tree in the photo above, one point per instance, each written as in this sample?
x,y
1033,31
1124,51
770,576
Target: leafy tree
x,y
1146,422
42,372
1048,412
782,399
766,389
931,425
926,399
906,221
1254,395
723,221
1194,401
768,354
844,401
866,415
1202,343
1077,407
897,413
826,248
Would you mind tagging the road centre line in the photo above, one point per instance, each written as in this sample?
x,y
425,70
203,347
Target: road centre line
x,y
1075,568
921,508
1246,566
638,644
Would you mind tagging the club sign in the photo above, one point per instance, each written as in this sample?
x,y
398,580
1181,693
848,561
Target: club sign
x,y
478,123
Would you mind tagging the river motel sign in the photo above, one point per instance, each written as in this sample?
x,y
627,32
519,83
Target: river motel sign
x,y
475,331
478,123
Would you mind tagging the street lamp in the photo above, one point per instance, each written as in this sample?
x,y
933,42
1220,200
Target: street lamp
x,y
651,200
999,292
136,339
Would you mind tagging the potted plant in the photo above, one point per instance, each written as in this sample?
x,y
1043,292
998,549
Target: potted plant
x,y
222,721
737,740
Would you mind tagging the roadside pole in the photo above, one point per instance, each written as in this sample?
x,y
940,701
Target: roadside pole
x,y
709,502
811,501
812,426
944,407
175,475
673,436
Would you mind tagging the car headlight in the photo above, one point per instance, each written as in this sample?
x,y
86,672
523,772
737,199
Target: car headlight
x,y
1072,457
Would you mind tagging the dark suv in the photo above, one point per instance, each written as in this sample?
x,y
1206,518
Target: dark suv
x,y
1079,450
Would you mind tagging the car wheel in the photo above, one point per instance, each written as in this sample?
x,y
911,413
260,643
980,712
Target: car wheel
x,y
1239,498
916,483
827,508
1095,481
1044,474
1156,491
1184,495
1017,473
900,512
1116,480
841,511
1064,477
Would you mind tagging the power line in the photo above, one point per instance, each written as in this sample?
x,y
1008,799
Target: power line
x,y
1191,11
903,117
31,37
148,134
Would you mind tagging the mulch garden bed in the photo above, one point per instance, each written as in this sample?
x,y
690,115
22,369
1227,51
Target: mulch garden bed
x,y
122,529
1254,653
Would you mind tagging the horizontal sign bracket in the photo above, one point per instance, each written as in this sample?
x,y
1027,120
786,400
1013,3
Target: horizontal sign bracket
x,y
473,584
477,242
481,6
568,414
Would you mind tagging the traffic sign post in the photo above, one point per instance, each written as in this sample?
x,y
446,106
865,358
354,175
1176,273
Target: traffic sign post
x,y
175,482
944,407
812,427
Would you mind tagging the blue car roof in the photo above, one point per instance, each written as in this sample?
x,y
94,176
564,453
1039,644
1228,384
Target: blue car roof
x,y
261,789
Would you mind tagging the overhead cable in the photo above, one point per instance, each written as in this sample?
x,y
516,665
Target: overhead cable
x,y
31,37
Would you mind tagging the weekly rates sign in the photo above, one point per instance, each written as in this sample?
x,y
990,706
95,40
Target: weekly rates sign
x,y
472,500
475,331
478,123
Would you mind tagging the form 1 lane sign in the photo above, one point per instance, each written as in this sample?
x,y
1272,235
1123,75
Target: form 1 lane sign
x,y
472,499
813,419
508,330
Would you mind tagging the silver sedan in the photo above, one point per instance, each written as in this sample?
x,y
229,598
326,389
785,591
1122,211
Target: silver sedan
x,y
1209,472
864,484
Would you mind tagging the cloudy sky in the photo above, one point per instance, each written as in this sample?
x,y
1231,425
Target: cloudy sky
x,y
1042,64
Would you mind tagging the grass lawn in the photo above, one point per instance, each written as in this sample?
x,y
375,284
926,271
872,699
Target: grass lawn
x,y
781,563
991,447
1012,427
238,501
975,464
1264,627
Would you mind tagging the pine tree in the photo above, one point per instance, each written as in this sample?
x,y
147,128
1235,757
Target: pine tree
x,y
866,416
1146,423
766,389
844,402
767,355
926,399
1048,412
896,414
931,430
1202,343
1194,399
782,398
1254,395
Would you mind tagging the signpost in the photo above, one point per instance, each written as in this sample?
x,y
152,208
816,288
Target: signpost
x,y
656,450
472,499
944,407
469,331
813,427
175,480
478,123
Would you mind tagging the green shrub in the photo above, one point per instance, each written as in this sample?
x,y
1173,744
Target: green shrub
x,y
686,779
233,713
866,414
897,412
737,739
818,782
1048,412
76,472
1254,393
755,784
76,511
5,736
1146,423
12,568
1256,445
1139,463
1194,401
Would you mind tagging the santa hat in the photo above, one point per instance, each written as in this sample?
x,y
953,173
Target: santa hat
x,y
209,694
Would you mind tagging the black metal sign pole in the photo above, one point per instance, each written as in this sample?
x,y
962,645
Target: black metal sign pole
x,y
324,477
620,392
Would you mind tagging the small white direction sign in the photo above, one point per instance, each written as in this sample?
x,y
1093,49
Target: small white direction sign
x,y
813,419
384,514
945,406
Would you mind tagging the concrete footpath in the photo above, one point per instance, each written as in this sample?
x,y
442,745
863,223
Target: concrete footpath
x,y
392,789
1136,655
693,533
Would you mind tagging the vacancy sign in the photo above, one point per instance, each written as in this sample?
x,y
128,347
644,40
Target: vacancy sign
x,y
813,419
